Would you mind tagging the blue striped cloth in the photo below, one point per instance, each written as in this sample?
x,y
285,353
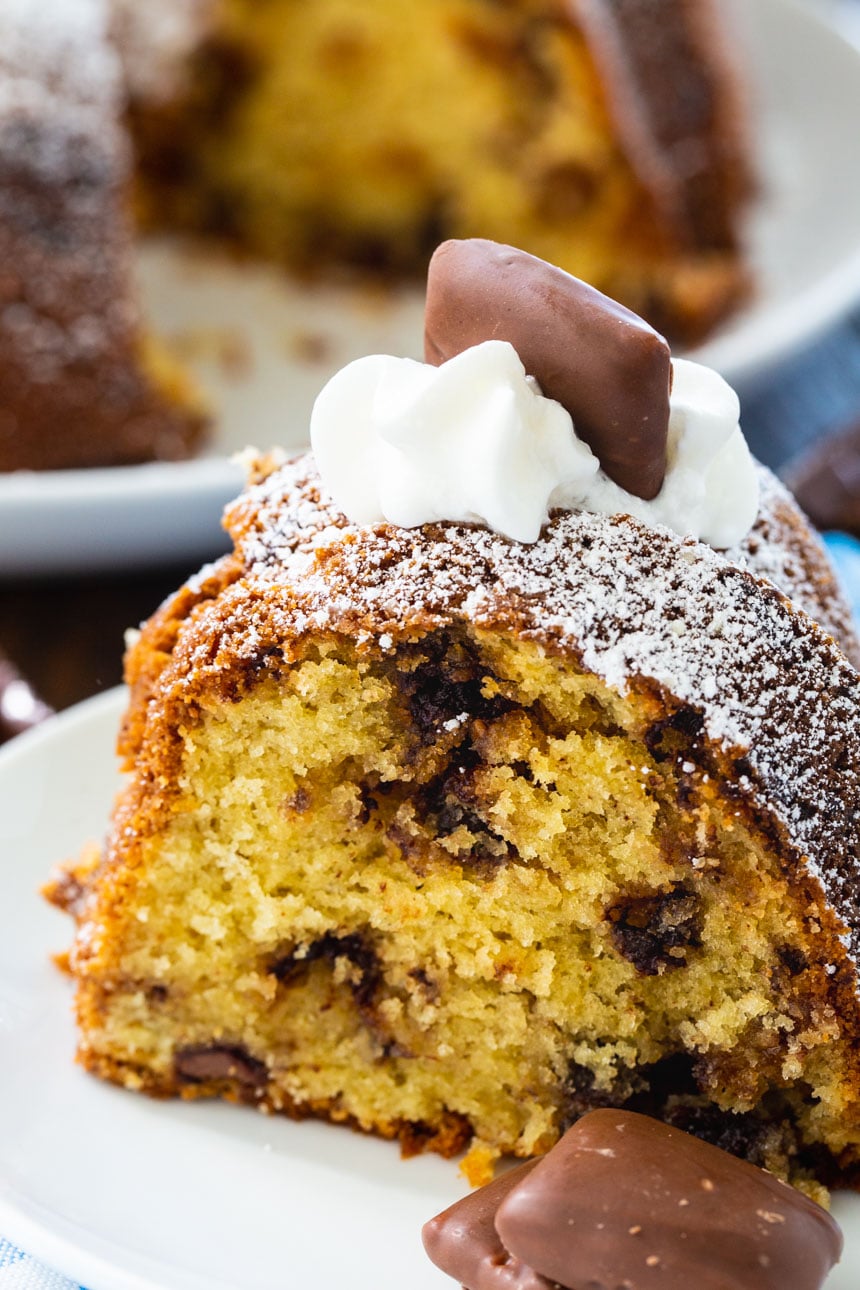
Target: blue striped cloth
x,y
19,1272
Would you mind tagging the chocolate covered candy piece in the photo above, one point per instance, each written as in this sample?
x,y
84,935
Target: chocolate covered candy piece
x,y
827,482
623,1200
463,1241
600,361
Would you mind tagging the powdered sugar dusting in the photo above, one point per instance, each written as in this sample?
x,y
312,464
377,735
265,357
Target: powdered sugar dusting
x,y
639,607
59,70
155,41
64,160
787,552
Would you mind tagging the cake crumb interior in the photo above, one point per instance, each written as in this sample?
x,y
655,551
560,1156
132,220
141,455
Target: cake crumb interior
x,y
374,858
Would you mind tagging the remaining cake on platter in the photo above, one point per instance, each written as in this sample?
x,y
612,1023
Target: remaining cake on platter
x,y
607,138
80,383
453,836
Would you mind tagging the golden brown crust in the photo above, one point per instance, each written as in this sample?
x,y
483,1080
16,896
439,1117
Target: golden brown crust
x,y
153,649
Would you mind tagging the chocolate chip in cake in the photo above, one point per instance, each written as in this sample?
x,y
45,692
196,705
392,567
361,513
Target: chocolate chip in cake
x,y
579,1094
268,659
297,802
741,1134
367,804
654,932
676,736
448,1136
792,959
649,1089
523,771
672,1076
288,968
446,685
427,984
671,1090
439,698
219,1063
451,801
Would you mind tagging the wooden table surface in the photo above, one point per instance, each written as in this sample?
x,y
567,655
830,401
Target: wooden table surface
x,y
65,636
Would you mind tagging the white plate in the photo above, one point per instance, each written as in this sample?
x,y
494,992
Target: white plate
x,y
264,345
125,1193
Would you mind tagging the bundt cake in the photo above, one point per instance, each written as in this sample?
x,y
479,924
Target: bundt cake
x,y
454,836
80,383
605,137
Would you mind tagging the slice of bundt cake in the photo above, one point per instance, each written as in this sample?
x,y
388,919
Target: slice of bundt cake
x,y
454,836
80,383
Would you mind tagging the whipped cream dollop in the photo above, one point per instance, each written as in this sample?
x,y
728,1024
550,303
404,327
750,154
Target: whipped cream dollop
x,y
474,440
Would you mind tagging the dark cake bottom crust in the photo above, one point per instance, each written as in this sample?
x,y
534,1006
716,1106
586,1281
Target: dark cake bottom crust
x,y
666,1091
235,1076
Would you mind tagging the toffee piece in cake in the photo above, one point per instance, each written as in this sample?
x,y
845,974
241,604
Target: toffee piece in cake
x,y
454,837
